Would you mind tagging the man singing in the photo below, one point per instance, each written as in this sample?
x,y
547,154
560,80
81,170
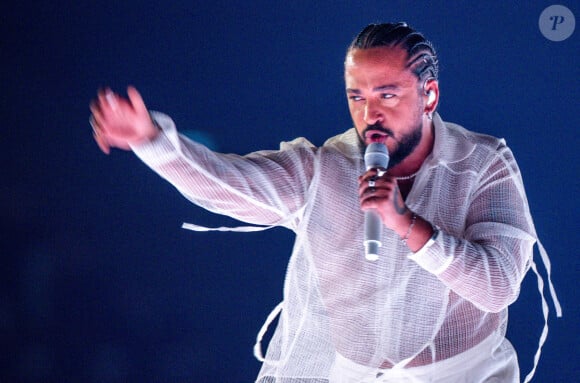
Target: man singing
x,y
457,235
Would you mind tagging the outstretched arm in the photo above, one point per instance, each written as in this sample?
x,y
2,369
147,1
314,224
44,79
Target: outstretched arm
x,y
119,122
263,188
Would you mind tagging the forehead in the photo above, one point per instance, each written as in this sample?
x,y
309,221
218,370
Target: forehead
x,y
375,66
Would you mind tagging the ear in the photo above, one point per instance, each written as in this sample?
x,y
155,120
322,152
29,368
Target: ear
x,y
431,89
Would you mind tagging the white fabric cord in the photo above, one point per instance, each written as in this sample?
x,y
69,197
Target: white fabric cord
x,y
242,229
548,267
545,309
258,346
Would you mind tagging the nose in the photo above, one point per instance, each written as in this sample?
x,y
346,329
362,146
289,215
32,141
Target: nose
x,y
372,113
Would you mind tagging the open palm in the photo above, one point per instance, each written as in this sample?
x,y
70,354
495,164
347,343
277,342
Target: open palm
x,y
120,122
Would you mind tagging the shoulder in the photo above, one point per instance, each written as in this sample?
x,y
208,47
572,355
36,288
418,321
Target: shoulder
x,y
455,143
458,134
346,143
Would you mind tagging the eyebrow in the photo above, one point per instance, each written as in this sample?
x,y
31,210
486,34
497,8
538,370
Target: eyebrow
x,y
376,89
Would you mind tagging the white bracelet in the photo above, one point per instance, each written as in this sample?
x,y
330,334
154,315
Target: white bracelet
x,y
406,237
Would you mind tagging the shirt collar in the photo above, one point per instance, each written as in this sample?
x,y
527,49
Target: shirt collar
x,y
451,143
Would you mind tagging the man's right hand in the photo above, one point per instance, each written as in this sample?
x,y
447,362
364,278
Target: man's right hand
x,y
120,122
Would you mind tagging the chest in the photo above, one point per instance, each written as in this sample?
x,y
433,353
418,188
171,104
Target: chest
x,y
405,187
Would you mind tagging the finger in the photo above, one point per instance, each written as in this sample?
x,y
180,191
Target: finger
x,y
102,93
364,188
136,100
97,118
102,103
101,142
95,108
384,181
112,100
108,100
372,173
380,189
93,123
97,129
375,192
372,199
370,180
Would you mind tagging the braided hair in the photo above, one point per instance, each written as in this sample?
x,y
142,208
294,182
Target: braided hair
x,y
421,55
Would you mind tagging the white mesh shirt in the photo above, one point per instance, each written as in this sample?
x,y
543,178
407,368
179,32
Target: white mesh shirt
x,y
404,309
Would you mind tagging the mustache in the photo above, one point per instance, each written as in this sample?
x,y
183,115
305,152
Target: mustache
x,y
378,127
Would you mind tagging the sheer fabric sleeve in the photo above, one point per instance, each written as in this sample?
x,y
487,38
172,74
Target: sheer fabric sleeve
x,y
264,187
487,262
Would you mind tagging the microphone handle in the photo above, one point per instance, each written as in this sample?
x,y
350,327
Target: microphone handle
x,y
372,241
376,157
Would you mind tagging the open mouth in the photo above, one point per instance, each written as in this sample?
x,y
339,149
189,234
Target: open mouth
x,y
376,136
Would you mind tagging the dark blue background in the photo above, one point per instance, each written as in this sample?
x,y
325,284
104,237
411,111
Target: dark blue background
x,y
100,284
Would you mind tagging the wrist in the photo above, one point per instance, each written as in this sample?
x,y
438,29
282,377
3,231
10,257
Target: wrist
x,y
155,128
407,234
417,233
404,222
150,133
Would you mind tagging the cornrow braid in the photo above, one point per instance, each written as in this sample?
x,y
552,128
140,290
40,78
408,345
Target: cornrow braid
x,y
421,55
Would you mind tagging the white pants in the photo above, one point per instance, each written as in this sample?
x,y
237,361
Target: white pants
x,y
493,360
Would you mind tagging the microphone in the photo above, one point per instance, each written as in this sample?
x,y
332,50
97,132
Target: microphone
x,y
376,157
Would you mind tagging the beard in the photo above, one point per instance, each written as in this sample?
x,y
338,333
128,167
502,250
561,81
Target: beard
x,y
405,144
